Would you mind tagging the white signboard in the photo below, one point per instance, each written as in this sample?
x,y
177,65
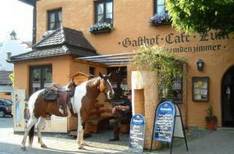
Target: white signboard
x,y
19,109
178,132
21,115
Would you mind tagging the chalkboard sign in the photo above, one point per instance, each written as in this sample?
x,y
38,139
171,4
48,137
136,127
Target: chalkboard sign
x,y
137,133
164,122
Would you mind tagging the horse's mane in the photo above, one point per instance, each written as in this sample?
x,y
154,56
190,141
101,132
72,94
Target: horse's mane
x,y
93,82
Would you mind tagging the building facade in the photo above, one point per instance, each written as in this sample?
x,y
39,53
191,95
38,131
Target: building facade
x,y
122,26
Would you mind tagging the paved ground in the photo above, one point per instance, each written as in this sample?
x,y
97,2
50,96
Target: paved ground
x,y
217,142
200,141
58,143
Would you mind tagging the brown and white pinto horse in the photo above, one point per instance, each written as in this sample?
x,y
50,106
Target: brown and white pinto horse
x,y
85,98
40,109
85,95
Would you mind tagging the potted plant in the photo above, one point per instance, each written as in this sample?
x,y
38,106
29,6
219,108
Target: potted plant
x,y
211,119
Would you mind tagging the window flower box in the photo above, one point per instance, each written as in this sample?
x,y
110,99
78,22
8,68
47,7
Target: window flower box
x,y
101,28
160,19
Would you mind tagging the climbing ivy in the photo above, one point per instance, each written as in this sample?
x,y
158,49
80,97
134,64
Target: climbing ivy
x,y
166,64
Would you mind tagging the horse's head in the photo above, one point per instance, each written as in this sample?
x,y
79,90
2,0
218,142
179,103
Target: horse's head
x,y
105,85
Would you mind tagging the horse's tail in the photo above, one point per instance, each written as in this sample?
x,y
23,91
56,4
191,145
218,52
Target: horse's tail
x,y
31,134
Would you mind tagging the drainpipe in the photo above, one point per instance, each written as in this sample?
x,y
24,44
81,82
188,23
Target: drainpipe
x,y
34,36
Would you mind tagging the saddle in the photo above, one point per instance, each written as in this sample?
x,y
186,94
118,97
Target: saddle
x,y
57,94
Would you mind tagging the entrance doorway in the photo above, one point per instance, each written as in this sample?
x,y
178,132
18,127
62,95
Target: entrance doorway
x,y
228,98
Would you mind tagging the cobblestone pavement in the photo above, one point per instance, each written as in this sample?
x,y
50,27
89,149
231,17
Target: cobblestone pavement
x,y
200,141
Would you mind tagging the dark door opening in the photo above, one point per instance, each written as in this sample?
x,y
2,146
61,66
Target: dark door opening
x,y
228,98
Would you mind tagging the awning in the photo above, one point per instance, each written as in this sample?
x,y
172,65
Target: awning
x,y
111,60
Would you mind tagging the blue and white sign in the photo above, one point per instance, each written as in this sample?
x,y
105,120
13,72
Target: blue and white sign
x,y
164,122
137,133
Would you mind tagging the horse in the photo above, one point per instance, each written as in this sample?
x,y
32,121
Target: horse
x,y
83,97
40,109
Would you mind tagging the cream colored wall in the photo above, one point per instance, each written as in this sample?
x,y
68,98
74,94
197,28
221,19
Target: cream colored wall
x,y
82,66
131,20
60,71
63,67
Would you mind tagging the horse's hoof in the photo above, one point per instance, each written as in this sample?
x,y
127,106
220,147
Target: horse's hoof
x,y
85,144
81,148
44,146
23,148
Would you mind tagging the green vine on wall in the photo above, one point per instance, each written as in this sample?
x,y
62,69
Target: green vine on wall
x,y
166,64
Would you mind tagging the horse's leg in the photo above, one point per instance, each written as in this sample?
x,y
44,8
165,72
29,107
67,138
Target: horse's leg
x,y
80,132
32,121
40,126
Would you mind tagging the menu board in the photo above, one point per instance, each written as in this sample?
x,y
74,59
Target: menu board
x,y
200,88
137,133
164,122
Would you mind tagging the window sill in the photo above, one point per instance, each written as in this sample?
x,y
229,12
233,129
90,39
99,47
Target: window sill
x,y
160,24
101,31
102,28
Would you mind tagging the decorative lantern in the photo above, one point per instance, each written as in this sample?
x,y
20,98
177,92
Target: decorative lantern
x,y
200,64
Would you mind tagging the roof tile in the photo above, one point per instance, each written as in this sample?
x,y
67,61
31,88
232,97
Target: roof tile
x,y
59,42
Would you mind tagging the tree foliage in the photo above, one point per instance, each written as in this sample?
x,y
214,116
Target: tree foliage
x,y
202,15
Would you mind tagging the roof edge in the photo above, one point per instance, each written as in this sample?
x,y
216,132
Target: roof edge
x,y
29,2
47,36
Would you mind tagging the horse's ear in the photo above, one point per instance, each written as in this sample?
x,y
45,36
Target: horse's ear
x,y
100,74
109,75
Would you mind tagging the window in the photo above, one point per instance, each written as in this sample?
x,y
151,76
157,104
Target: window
x,y
159,7
160,13
200,89
118,81
92,71
54,19
40,77
177,90
103,11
